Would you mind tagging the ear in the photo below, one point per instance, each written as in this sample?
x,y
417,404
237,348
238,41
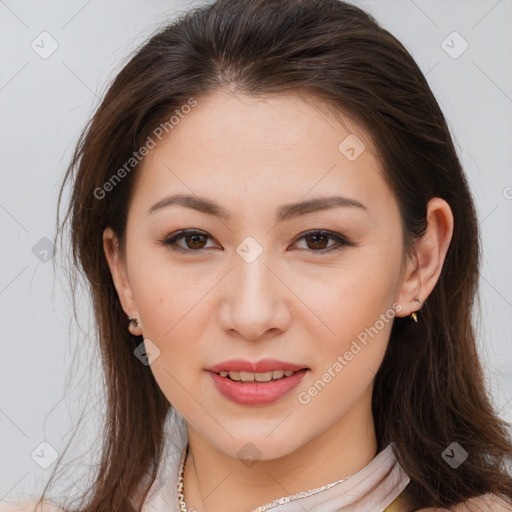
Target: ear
x,y
422,271
117,266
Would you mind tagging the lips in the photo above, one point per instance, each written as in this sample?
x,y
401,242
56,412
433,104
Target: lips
x,y
257,393
262,366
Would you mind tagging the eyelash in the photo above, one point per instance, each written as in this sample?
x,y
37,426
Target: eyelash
x,y
171,241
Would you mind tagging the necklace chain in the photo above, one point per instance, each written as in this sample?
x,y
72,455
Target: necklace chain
x,y
181,490
263,508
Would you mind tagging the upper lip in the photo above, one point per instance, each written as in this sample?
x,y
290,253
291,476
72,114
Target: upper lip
x,y
262,366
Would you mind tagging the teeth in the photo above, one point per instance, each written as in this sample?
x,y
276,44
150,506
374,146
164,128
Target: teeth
x,y
258,377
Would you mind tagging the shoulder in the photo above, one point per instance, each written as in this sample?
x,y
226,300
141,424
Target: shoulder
x,y
29,506
484,503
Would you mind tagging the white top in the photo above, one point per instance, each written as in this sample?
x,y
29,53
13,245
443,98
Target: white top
x,y
372,488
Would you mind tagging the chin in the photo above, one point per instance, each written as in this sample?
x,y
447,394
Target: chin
x,y
257,447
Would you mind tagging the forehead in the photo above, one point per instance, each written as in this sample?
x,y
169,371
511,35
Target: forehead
x,y
292,143
273,120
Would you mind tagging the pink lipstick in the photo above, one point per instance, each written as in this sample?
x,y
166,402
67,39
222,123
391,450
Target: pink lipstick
x,y
236,381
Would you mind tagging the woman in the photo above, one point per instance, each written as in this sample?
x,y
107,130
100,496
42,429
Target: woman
x,y
283,255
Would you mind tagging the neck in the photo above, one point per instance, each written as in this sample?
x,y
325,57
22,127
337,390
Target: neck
x,y
215,481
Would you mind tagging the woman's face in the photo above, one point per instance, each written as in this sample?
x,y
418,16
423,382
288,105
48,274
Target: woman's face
x,y
257,282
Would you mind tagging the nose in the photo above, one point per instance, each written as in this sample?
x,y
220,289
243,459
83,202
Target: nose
x,y
255,301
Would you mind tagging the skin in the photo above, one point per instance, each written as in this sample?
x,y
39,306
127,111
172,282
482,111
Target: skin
x,y
293,302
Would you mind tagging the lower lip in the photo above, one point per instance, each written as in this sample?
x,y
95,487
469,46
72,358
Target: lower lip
x,y
257,393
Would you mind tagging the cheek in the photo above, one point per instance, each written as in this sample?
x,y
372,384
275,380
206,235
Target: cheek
x,y
169,322
168,292
356,308
349,359
173,305
354,296
174,314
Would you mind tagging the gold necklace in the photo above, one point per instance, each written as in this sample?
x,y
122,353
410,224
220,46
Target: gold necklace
x,y
181,490
263,508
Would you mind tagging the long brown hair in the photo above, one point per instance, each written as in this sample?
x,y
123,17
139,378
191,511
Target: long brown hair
x,y
430,389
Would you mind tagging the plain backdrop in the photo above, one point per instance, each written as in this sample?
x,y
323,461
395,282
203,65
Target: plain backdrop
x,y
56,59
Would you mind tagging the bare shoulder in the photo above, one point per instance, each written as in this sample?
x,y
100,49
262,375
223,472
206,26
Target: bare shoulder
x,y
484,503
29,506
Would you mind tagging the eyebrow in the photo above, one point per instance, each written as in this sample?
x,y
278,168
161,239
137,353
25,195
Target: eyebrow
x,y
284,212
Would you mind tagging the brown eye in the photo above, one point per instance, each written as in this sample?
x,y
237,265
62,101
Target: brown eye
x,y
194,241
319,241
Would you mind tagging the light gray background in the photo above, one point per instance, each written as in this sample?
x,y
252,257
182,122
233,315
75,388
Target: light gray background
x,y
45,102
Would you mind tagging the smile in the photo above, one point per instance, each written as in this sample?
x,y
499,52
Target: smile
x,y
249,389
259,377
